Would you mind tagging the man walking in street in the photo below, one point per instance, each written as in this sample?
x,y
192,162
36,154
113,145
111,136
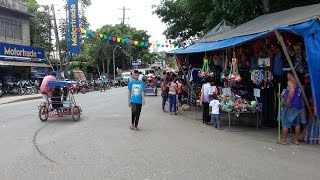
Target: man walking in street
x,y
292,110
136,96
44,89
102,82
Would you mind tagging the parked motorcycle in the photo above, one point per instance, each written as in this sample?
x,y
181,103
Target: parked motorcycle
x,y
82,87
14,88
1,92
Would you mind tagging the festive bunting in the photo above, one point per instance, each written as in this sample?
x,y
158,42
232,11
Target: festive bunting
x,y
90,33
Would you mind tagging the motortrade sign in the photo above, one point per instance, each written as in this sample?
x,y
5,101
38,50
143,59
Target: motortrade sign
x,y
73,26
19,52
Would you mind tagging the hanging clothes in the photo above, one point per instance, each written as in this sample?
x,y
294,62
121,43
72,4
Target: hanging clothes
x,y
277,65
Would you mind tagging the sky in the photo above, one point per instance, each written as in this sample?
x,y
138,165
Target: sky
x,y
102,12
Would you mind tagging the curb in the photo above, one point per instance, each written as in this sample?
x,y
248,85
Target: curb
x,y
22,99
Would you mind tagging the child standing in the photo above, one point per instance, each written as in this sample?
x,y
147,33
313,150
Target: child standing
x,y
215,114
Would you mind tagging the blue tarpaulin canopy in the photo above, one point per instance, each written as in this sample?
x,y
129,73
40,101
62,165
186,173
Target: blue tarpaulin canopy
x,y
311,32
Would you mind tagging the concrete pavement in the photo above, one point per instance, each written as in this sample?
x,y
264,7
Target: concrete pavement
x,y
101,146
16,98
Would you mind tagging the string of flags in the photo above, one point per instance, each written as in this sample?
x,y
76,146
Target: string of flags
x,y
126,41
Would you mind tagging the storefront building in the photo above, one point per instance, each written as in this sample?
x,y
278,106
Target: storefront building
x,y
17,59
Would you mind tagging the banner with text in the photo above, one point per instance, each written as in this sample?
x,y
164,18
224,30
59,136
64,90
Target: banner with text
x,y
73,25
18,52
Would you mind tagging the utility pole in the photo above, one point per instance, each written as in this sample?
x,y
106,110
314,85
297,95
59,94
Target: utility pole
x,y
57,36
123,14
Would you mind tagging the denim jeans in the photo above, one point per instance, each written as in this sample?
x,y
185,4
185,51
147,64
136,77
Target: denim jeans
x,y
164,99
172,103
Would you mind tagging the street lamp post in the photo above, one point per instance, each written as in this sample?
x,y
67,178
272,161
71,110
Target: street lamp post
x,y
114,63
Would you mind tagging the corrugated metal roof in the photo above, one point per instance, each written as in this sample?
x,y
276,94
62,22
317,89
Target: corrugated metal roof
x,y
25,64
269,22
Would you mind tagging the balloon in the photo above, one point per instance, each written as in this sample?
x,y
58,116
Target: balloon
x,y
141,43
131,41
109,38
114,38
136,42
118,39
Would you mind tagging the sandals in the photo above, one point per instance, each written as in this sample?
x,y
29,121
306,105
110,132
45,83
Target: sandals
x,y
282,143
295,143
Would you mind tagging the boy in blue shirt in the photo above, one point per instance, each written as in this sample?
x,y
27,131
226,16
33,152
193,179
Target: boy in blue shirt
x,y
136,96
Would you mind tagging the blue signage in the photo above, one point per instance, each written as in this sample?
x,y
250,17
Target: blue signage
x,y
73,26
18,52
39,72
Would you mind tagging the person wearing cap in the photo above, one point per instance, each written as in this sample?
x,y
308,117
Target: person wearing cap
x,y
44,89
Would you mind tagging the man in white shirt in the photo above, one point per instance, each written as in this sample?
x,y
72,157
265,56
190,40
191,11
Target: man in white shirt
x,y
205,99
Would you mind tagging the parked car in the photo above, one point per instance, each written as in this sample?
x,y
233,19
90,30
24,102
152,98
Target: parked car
x,y
126,77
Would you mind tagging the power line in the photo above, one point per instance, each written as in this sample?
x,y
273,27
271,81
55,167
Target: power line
x,y
123,14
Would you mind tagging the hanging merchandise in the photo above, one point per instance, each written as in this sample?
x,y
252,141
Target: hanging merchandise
x,y
234,75
267,79
205,71
257,76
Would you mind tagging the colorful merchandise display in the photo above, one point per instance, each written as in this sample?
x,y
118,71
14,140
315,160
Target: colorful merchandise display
x,y
237,104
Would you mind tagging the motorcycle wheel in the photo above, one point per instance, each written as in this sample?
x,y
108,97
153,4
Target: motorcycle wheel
x,y
22,91
75,113
33,91
28,91
43,113
84,90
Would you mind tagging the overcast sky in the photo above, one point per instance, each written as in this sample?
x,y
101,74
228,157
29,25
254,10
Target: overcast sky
x,y
102,12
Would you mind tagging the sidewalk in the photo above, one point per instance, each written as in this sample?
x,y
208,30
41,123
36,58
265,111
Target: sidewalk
x,y
16,98
266,134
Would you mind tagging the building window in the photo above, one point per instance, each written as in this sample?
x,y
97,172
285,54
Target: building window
x,y
10,28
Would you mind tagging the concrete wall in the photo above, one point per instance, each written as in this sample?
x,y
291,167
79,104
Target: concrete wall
x,y
13,9
15,5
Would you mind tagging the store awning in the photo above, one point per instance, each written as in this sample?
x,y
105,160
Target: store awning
x,y
25,64
210,46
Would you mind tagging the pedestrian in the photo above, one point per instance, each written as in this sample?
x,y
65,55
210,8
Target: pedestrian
x,y
205,99
164,93
136,96
44,89
292,110
172,94
102,82
180,91
214,111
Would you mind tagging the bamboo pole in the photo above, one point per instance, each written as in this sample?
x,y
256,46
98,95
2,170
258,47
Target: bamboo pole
x,y
284,48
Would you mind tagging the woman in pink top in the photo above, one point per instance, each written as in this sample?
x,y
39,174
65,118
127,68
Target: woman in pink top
x,y
44,89
173,96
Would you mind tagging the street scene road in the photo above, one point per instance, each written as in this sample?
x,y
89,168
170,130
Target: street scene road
x,y
102,146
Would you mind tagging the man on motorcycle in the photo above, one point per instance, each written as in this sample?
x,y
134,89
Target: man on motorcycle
x,y
44,89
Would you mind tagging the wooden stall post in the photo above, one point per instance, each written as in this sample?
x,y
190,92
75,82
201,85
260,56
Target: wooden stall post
x,y
284,48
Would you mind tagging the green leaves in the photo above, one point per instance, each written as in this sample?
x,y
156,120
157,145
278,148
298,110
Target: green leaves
x,y
192,18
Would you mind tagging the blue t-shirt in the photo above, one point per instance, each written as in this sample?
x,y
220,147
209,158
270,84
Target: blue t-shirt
x,y
136,88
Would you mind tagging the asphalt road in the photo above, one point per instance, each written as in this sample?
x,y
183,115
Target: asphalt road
x,y
101,146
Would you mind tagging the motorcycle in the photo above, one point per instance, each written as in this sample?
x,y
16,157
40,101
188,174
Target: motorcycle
x,y
1,92
14,88
82,87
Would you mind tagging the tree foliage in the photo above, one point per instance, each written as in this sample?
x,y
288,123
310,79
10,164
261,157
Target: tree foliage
x,y
40,25
98,52
188,18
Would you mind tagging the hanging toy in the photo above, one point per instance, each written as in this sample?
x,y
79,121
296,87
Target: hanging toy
x,y
205,67
234,75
